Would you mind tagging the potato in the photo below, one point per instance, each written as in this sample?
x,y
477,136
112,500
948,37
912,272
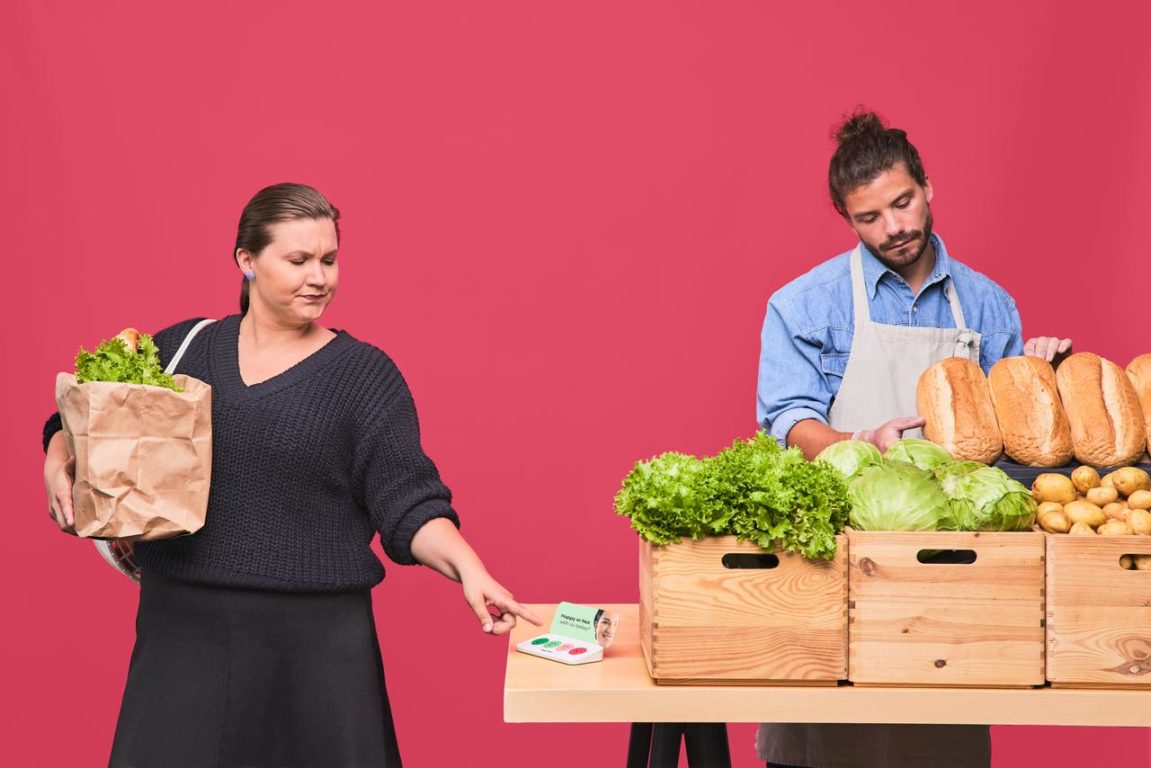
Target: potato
x,y
1130,479
1101,497
1055,521
1143,562
1115,528
1116,511
1127,562
1051,486
1140,521
1139,500
1085,478
1049,506
1081,529
1108,480
1085,512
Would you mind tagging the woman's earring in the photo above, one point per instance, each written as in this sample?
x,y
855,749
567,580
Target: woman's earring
x,y
249,275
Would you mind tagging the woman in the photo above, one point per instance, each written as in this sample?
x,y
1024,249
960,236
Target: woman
x,y
256,644
605,625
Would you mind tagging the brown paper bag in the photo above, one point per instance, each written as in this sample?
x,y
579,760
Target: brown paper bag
x,y
143,456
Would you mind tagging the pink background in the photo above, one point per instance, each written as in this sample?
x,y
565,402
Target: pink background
x,y
564,222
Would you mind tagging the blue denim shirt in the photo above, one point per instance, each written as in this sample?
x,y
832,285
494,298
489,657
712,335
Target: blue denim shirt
x,y
809,325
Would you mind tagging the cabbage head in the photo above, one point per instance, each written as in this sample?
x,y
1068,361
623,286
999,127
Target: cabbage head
x,y
986,499
851,457
922,453
896,496
948,474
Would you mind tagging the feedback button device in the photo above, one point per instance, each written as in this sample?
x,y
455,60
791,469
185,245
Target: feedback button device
x,y
579,634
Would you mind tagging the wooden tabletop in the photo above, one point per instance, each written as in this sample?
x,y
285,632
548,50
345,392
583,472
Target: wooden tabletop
x,y
618,690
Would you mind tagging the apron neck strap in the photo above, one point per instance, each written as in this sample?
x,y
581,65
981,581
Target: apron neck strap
x,y
953,300
859,288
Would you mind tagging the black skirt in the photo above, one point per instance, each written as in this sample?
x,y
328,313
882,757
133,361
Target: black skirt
x,y
238,678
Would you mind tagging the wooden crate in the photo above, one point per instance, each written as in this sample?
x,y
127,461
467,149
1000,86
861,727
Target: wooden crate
x,y
945,624
1098,613
704,622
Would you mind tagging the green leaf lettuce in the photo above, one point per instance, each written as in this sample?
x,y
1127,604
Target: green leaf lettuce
x,y
753,489
114,360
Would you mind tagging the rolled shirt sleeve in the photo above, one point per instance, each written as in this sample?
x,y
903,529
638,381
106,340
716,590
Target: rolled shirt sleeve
x,y
792,386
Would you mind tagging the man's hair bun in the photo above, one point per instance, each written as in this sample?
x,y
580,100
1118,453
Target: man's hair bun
x,y
867,149
861,123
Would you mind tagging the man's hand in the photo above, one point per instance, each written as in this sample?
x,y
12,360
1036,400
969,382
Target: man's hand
x,y
1050,348
889,432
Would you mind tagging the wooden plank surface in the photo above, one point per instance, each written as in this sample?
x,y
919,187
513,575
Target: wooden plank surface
x,y
619,690
695,589
943,624
708,621
1098,614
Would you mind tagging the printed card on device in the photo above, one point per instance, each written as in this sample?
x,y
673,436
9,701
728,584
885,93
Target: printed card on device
x,y
579,634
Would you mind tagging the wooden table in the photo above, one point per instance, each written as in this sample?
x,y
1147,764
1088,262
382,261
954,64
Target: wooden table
x,y
618,690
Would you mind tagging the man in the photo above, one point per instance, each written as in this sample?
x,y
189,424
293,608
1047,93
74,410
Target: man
x,y
843,348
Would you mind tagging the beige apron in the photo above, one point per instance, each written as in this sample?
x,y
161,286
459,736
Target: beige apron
x,y
879,383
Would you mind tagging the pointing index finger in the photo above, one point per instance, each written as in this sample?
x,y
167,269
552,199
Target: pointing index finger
x,y
514,608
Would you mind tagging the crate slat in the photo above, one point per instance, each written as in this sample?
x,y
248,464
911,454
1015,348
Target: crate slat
x,y
972,624
703,622
1098,614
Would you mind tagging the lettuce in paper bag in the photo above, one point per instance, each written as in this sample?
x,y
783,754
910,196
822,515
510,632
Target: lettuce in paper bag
x,y
117,360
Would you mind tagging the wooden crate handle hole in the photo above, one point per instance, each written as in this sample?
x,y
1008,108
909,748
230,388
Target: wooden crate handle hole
x,y
749,560
946,556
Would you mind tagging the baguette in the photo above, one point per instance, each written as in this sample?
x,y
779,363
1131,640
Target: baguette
x,y
1031,418
1107,428
131,337
953,397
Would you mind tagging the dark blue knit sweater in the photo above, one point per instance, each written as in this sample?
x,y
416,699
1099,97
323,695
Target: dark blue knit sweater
x,y
306,467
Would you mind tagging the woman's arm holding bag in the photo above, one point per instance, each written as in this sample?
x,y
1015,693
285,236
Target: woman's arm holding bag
x,y
59,472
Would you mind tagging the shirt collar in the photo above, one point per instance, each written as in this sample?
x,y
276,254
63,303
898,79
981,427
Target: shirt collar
x,y
874,270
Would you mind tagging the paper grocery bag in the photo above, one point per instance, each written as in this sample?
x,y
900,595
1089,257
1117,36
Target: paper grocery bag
x,y
143,456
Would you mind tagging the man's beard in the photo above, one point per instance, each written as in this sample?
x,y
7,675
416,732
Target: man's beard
x,y
889,253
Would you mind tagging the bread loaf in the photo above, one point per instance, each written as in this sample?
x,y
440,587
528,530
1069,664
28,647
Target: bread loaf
x,y
1139,371
1031,418
952,396
1106,421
